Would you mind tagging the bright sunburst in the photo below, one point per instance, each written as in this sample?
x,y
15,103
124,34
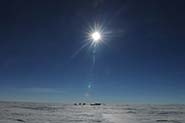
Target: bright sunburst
x,y
96,37
96,34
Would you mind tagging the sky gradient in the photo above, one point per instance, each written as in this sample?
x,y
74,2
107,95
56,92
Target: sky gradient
x,y
142,60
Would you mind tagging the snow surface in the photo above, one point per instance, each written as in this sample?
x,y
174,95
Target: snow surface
x,y
13,112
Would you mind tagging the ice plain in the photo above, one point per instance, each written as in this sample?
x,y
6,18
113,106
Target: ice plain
x,y
19,112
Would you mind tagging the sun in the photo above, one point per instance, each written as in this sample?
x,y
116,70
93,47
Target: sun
x,y
96,37
97,34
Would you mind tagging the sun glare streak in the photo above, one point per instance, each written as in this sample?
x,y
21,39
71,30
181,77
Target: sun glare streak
x,y
78,51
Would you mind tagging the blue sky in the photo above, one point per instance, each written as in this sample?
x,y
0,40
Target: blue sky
x,y
141,60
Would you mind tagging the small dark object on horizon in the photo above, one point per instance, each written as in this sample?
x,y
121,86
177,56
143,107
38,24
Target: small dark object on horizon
x,y
95,104
91,104
20,120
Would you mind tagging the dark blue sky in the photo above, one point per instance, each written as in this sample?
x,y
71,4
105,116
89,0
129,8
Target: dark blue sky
x,y
143,60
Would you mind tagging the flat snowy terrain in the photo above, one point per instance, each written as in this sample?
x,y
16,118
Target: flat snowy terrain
x,y
11,112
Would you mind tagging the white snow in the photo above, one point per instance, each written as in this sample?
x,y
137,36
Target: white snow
x,y
13,112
